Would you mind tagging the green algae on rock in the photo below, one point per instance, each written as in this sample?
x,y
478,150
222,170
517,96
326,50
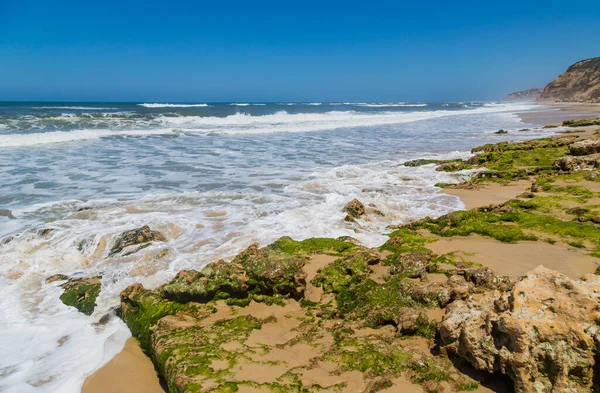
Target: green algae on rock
x,y
80,293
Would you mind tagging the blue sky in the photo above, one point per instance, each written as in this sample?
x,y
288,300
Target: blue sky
x,y
288,51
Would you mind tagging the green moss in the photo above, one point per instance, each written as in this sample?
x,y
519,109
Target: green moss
x,y
464,223
254,273
423,161
581,123
81,294
429,370
368,358
313,246
468,386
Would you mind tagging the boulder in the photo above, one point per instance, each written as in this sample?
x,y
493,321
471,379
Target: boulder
x,y
576,164
80,293
140,236
413,264
267,271
544,332
584,148
355,209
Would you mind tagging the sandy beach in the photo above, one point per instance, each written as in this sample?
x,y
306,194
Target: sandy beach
x,y
556,113
131,371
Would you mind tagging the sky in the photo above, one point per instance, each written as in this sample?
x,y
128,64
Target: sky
x,y
200,51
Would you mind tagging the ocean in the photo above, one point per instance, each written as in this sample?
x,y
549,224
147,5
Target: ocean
x,y
213,178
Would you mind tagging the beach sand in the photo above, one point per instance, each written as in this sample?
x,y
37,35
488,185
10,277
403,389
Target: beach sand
x,y
131,371
555,114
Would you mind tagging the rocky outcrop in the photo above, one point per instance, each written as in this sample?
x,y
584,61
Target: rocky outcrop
x,y
580,83
576,164
355,209
584,148
544,333
80,293
141,237
523,96
266,271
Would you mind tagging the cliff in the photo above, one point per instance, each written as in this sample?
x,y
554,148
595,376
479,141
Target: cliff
x,y
580,83
525,95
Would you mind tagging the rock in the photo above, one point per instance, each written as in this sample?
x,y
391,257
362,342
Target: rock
x,y
255,271
80,293
576,164
44,232
141,236
535,188
413,264
595,219
544,333
489,279
56,277
355,209
580,83
501,132
584,148
6,213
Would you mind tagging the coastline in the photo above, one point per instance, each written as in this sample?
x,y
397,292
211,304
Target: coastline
x,y
570,261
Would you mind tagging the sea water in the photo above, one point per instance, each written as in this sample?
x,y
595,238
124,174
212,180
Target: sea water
x,y
213,178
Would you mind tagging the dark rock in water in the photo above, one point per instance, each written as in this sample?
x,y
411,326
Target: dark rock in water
x,y
45,232
355,209
142,236
6,240
80,293
6,213
82,209
501,132
266,271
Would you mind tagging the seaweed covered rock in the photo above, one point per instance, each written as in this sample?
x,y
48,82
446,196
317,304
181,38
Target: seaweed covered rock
x,y
140,236
578,163
267,271
544,333
355,209
80,293
585,147
413,264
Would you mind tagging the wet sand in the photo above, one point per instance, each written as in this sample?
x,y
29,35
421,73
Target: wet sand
x,y
489,194
131,371
519,258
555,114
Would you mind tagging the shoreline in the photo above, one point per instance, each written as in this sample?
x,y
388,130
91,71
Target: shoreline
x,y
490,193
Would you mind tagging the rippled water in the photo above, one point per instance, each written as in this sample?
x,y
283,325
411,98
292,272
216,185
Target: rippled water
x,y
212,178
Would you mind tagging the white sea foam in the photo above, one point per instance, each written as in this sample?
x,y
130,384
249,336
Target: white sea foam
x,y
246,104
156,105
243,123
